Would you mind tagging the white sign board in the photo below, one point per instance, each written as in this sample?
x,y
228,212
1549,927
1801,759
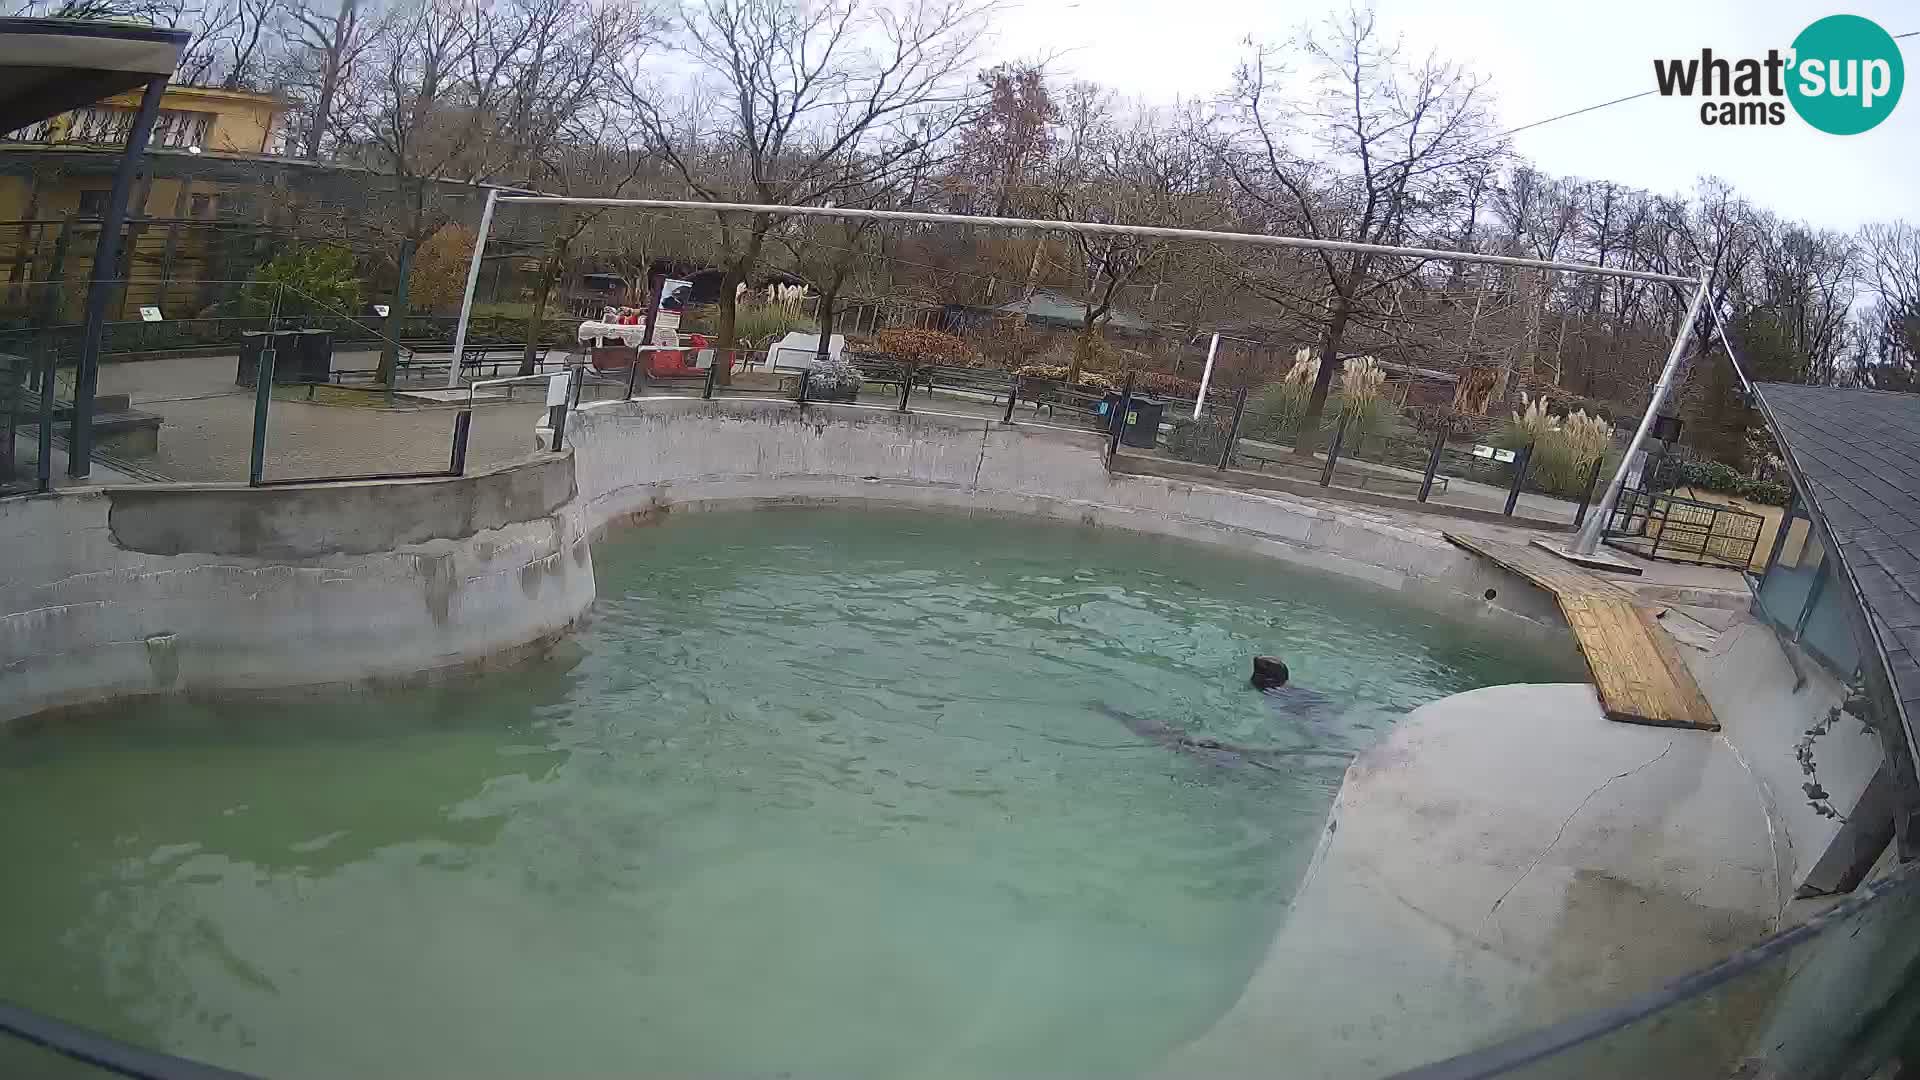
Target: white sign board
x,y
149,314
798,350
380,310
557,390
1492,453
1637,470
672,287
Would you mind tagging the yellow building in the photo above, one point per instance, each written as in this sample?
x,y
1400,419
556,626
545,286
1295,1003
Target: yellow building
x,y
212,157
200,118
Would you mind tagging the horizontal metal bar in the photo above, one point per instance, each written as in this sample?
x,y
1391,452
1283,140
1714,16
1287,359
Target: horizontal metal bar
x,y
434,475
1099,229
80,1044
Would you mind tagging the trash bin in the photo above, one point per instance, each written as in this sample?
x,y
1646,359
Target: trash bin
x,y
285,344
1143,421
251,342
314,355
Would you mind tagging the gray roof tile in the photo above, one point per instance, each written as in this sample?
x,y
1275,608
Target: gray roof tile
x,y
1859,451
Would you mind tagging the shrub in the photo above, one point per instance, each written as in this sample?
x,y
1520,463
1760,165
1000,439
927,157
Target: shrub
x,y
315,280
921,348
1714,476
1058,372
439,275
1042,371
753,324
1362,400
1274,414
764,324
1564,448
835,376
1196,440
1100,355
1167,384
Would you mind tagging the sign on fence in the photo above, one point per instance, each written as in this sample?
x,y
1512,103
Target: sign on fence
x,y
149,314
1492,452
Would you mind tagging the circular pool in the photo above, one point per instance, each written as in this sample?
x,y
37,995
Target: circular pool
x,y
814,793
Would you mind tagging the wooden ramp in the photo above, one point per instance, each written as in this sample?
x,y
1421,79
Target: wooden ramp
x,y
1637,667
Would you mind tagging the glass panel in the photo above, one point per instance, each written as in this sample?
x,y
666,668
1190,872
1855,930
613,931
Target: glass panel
x,y
1829,632
1838,1003
1796,544
1784,591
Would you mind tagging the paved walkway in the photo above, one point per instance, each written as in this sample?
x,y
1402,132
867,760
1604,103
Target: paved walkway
x,y
206,430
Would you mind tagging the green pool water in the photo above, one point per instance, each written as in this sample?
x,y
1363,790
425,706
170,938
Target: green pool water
x,y
813,794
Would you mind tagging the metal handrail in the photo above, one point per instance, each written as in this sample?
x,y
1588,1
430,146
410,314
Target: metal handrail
x,y
509,380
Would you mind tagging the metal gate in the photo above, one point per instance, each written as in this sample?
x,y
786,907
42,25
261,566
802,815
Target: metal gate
x,y
1674,529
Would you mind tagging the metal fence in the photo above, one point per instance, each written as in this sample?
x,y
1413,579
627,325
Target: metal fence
x,y
1439,460
27,415
1675,529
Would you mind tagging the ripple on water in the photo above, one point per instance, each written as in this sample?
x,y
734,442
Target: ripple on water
x,y
814,794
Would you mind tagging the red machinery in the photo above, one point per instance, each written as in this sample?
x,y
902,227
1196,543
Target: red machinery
x,y
660,363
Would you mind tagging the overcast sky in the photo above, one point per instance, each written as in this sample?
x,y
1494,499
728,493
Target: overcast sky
x,y
1545,57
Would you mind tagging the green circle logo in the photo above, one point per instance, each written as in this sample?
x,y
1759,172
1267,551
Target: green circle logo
x,y
1846,74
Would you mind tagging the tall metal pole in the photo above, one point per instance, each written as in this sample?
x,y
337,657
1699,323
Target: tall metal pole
x,y
106,266
1588,539
473,279
1095,228
1206,375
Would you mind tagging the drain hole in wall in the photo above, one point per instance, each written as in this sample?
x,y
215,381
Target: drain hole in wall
x,y
1491,594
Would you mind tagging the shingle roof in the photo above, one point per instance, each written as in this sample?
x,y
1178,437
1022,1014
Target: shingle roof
x,y
1053,307
1859,453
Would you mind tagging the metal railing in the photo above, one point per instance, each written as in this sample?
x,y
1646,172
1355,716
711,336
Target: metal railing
x,y
1426,467
26,403
1674,529
1848,977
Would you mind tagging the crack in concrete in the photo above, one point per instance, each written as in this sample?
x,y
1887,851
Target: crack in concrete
x,y
1548,850
1769,810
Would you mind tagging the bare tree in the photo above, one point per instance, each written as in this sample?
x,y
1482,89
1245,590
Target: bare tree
x,y
562,130
1145,172
233,44
421,108
1003,151
328,37
575,169
1892,261
807,100
1395,142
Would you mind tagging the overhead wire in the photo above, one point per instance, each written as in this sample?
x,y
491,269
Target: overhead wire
x,y
1615,101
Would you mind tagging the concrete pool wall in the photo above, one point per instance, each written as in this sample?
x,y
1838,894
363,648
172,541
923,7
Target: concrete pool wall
x,y
684,454
222,589
214,589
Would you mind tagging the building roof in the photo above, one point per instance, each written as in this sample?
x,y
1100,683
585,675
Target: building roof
x,y
1052,307
48,66
1856,455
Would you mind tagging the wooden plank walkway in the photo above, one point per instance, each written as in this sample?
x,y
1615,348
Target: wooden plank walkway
x,y
1636,665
